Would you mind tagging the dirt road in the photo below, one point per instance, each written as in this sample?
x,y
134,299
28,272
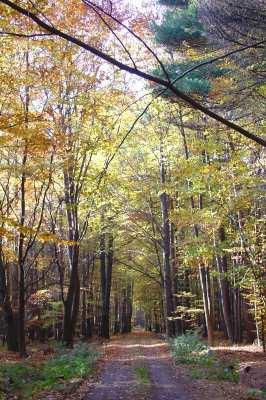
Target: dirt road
x,y
138,366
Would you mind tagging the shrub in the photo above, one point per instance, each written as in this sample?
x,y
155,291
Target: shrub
x,y
189,349
27,379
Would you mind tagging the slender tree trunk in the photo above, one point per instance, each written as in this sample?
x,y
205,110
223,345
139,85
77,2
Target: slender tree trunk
x,y
263,339
237,315
156,321
22,337
90,315
84,314
21,313
129,306
106,261
124,312
116,314
109,272
127,309
205,285
21,257
85,281
167,281
103,283
203,271
174,271
224,288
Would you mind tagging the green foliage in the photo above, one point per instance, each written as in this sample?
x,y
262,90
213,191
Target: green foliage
x,y
216,372
197,81
142,373
76,363
258,394
189,349
17,375
27,379
174,2
177,26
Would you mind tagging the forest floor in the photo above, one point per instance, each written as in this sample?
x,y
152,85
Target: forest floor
x,y
140,366
136,366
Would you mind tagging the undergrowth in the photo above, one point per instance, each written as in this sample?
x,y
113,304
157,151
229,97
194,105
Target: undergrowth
x,y
26,379
142,373
189,349
257,394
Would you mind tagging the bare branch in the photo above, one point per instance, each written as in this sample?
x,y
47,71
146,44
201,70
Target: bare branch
x,y
88,2
22,35
218,58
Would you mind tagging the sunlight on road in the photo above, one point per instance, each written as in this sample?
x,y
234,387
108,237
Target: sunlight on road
x,y
129,346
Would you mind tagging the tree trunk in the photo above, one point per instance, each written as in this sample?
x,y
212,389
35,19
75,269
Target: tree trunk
x,y
124,312
21,322
237,315
126,309
174,271
116,315
205,285
224,288
106,261
129,306
204,274
167,281
86,272
22,338
84,315
71,305
9,316
103,283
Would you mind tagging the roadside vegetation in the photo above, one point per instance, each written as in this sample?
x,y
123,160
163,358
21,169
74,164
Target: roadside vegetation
x,y
189,349
63,371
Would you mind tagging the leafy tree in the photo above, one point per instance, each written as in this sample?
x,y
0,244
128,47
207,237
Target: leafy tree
x,y
178,25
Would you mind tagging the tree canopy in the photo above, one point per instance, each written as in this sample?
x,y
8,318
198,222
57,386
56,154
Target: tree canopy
x,y
132,170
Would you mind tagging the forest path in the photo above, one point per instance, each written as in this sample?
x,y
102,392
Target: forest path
x,y
137,366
